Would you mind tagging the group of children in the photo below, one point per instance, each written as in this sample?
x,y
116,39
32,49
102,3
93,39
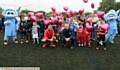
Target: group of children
x,y
72,32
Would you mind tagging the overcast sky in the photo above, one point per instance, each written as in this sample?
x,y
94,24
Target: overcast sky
x,y
46,5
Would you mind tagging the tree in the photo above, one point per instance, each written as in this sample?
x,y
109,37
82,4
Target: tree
x,y
117,6
107,5
0,9
25,11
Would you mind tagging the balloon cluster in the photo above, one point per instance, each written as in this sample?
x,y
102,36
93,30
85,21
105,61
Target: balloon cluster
x,y
33,16
57,18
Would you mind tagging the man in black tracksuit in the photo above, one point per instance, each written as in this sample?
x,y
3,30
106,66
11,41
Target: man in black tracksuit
x,y
67,36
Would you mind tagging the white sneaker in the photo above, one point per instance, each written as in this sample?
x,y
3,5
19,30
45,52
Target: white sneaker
x,y
79,45
112,42
5,43
26,41
21,42
97,48
105,49
82,45
16,42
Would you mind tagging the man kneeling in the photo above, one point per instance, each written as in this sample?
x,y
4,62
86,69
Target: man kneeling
x,y
67,40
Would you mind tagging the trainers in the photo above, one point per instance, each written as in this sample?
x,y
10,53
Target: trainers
x,y
53,46
112,42
97,48
5,43
105,49
16,42
44,46
79,45
26,41
21,42
71,47
82,45
57,41
89,45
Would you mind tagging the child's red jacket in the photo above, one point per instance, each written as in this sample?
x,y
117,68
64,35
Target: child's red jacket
x,y
80,34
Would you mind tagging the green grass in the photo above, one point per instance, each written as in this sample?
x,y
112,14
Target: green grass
x,y
60,58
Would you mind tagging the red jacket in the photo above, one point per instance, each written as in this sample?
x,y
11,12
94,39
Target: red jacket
x,y
80,34
49,34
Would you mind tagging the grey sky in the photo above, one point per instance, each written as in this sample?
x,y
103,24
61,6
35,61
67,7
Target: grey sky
x,y
47,4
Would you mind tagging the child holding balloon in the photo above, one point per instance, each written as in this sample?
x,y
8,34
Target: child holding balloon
x,y
28,28
22,29
101,32
80,35
83,34
87,31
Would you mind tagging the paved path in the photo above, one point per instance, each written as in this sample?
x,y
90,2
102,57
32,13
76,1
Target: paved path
x,y
19,68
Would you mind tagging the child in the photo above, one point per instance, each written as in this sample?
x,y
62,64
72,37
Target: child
x,y
40,22
35,33
80,35
22,29
94,24
101,35
49,36
87,33
82,32
28,27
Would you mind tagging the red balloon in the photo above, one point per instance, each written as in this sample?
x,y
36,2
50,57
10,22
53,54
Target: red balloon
x,y
71,13
46,22
68,14
57,13
59,17
53,9
30,14
53,19
74,12
60,21
39,15
89,20
92,5
100,14
33,18
85,1
65,8
81,11
104,26
89,27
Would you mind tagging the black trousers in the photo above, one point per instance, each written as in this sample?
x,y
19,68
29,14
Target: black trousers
x,y
118,26
69,43
101,38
